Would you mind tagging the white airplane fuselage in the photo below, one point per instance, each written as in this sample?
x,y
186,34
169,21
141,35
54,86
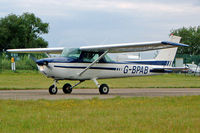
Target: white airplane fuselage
x,y
71,71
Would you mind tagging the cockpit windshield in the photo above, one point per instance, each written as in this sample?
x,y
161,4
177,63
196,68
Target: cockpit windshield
x,y
84,56
71,52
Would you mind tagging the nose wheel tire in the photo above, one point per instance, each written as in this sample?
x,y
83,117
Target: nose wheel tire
x,y
103,89
53,90
67,88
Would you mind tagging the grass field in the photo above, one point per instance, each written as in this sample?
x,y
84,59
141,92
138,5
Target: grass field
x,y
161,114
35,80
138,114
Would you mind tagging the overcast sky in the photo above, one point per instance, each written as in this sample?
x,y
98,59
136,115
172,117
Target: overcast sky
x,y
90,22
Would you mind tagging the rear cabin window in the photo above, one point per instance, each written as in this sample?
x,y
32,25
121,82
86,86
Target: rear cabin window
x,y
89,56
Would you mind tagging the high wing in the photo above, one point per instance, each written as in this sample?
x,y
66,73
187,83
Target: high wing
x,y
37,50
132,47
111,48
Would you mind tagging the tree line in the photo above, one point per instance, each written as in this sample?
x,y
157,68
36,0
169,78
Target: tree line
x,y
22,31
190,36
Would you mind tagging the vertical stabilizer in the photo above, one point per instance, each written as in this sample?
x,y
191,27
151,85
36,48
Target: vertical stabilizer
x,y
168,54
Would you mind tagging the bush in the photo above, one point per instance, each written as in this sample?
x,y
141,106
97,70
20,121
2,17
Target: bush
x,y
6,64
24,62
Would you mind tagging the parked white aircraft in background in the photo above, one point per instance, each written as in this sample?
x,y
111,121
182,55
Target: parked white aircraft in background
x,y
193,68
92,62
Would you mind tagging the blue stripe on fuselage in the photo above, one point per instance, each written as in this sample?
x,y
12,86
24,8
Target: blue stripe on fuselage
x,y
79,67
164,63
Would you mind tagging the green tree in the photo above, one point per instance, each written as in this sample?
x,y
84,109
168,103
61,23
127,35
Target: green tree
x,y
22,31
190,36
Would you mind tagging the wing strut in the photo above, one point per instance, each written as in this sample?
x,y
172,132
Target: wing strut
x,y
90,65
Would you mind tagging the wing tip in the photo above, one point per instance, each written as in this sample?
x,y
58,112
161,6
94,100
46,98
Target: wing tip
x,y
175,44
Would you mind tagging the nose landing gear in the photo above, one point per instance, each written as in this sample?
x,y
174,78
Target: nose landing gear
x,y
53,88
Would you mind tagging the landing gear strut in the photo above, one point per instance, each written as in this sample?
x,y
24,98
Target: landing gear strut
x,y
103,88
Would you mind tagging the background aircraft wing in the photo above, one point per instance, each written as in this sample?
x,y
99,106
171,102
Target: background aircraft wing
x,y
132,47
37,50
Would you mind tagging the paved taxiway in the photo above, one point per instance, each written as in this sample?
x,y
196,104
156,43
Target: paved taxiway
x,y
91,93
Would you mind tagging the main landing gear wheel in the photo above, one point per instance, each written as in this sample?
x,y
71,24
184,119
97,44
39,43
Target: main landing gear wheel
x,y
67,88
104,89
53,90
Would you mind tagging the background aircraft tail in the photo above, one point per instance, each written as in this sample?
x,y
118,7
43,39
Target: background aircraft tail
x,y
168,54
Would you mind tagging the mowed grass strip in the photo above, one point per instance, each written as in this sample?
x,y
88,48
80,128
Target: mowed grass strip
x,y
160,114
35,80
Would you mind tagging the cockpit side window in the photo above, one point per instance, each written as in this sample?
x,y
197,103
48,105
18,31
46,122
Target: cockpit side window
x,y
89,57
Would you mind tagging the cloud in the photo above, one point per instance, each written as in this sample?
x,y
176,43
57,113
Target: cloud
x,y
68,7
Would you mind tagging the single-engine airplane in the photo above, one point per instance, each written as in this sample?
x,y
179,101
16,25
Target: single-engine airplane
x,y
92,62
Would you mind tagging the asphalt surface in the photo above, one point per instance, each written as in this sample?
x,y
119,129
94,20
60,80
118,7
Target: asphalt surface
x,y
92,93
